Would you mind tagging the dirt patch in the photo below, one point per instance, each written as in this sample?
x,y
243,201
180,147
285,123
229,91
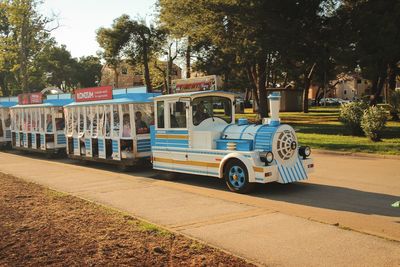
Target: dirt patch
x,y
39,226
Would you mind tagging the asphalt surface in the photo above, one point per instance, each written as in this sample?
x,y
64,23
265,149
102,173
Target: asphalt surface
x,y
340,216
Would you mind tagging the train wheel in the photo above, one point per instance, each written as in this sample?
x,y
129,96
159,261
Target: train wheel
x,y
237,177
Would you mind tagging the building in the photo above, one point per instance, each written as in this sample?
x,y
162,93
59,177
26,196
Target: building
x,y
350,87
346,86
129,76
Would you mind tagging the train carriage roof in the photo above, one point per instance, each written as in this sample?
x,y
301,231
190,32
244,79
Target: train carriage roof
x,y
196,94
58,100
130,98
7,102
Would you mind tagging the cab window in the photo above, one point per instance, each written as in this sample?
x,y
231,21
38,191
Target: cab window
x,y
178,115
211,107
160,114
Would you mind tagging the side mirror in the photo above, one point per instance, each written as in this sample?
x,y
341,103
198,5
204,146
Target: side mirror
x,y
180,107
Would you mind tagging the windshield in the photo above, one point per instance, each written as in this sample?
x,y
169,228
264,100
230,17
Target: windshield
x,y
211,107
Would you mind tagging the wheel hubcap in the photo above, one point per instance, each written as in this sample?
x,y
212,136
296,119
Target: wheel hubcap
x,y
237,176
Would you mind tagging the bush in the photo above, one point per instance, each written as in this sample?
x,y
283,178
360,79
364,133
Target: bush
x,y
373,121
351,114
395,104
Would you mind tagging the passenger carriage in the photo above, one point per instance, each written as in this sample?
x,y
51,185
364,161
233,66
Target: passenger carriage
x,y
38,125
196,133
5,120
111,126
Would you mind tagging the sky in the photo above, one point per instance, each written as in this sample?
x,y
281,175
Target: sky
x,y
79,20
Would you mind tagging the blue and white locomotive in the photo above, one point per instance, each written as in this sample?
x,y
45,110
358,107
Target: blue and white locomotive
x,y
196,133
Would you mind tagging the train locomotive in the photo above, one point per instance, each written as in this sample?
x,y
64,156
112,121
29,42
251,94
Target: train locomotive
x,y
193,132
196,133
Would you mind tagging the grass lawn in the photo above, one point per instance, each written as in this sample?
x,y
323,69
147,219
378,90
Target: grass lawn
x,y
321,129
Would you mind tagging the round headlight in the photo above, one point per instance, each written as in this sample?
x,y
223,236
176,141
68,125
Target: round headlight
x,y
270,157
267,157
305,151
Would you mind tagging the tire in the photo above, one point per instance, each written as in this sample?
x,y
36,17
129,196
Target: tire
x,y
237,177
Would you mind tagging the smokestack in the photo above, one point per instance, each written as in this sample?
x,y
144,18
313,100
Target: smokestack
x,y
274,104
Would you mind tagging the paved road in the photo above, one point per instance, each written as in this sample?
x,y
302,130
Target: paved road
x,y
341,216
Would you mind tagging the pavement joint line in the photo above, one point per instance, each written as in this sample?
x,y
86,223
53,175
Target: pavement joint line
x,y
222,219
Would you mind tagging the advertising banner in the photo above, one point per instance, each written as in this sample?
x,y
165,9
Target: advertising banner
x,y
32,98
93,94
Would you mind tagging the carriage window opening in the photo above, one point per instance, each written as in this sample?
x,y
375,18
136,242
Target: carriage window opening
x,y
81,121
60,120
126,121
89,119
7,121
94,114
29,120
75,120
115,120
69,120
108,121
49,121
42,122
160,114
33,120
1,124
143,118
178,118
211,107
101,120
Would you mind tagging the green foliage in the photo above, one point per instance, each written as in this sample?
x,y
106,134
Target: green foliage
x,y
351,115
133,41
373,121
395,104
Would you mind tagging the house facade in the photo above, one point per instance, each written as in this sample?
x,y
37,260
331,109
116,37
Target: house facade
x,y
129,76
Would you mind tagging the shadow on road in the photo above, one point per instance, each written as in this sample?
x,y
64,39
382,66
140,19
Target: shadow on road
x,y
302,193
310,194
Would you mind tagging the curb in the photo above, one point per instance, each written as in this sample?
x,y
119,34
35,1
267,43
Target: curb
x,y
355,154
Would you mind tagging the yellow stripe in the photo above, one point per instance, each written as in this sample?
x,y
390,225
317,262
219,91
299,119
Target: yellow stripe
x,y
258,169
187,162
172,136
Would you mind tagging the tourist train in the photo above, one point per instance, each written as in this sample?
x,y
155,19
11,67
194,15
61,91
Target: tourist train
x,y
191,131
5,120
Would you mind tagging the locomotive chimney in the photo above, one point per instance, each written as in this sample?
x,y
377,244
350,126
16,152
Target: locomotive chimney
x,y
274,104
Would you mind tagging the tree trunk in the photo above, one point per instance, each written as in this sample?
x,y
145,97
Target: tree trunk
x,y
116,77
307,83
188,52
261,71
377,91
4,85
147,70
253,85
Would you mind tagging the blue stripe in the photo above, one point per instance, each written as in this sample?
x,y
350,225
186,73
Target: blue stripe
x,y
244,129
280,173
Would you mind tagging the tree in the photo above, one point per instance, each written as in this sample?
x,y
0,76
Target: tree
x,y
371,40
89,71
135,40
252,35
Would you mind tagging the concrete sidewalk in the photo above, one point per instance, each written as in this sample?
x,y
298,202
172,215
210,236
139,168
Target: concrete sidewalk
x,y
260,234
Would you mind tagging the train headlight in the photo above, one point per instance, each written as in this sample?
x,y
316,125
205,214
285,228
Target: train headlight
x,y
305,151
267,157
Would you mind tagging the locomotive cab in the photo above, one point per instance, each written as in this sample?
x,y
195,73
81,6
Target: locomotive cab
x,y
196,133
